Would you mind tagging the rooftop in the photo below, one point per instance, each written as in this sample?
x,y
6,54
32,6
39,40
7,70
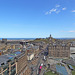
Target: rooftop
x,y
5,58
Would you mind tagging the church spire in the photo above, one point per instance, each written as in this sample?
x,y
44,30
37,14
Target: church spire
x,y
50,40
50,35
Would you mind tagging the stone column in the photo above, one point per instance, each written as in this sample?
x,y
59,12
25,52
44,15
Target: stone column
x,y
1,70
9,68
16,61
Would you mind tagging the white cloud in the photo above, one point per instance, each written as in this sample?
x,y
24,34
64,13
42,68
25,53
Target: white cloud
x,y
47,13
57,6
52,10
57,11
73,10
69,31
64,8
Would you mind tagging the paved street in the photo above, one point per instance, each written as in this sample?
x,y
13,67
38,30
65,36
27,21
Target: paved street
x,y
35,68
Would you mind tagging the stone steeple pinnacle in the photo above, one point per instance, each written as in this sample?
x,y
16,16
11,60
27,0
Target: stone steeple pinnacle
x,y
50,35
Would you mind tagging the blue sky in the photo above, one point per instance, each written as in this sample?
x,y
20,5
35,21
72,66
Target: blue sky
x,y
37,18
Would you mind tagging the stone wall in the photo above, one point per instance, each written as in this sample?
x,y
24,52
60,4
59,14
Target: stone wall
x,y
59,51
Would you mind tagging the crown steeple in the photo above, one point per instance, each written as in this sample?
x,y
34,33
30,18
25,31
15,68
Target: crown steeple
x,y
50,35
50,38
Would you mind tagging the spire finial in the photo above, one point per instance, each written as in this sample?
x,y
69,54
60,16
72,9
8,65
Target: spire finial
x,y
50,35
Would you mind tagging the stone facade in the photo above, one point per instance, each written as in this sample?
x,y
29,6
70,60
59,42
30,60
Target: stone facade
x,y
17,66
22,65
58,49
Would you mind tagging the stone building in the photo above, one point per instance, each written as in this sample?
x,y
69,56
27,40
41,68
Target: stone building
x,y
22,66
58,49
15,66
